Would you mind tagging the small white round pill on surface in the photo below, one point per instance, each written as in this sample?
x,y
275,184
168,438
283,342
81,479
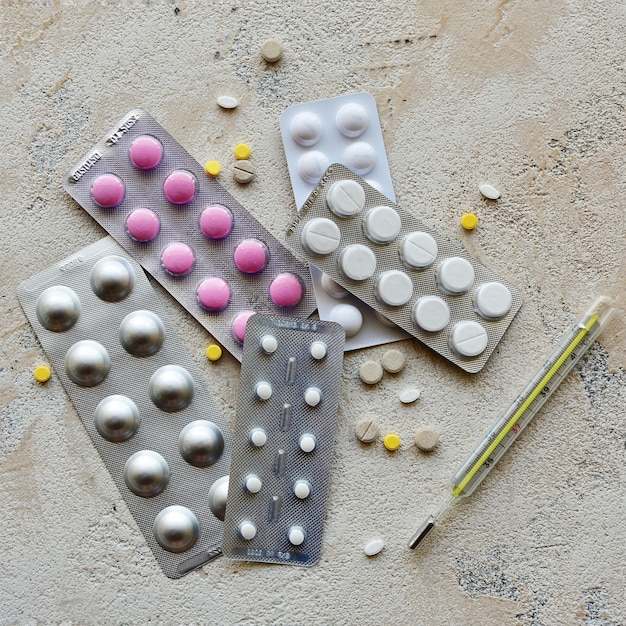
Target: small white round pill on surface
x,y
489,191
352,119
296,535
319,350
302,489
426,439
247,530
360,157
348,316
320,236
263,390
345,198
374,547
307,442
455,275
370,372
252,483
382,224
312,396
468,338
394,288
269,344
227,102
409,395
418,250
357,262
333,289
431,313
492,300
393,361
312,165
306,128
258,437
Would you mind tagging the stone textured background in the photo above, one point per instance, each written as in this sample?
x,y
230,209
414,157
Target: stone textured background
x,y
526,95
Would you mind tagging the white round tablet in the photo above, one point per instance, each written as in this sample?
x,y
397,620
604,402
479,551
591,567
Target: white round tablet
x,y
318,350
263,390
320,236
258,437
269,344
252,483
333,289
431,313
312,165
352,119
394,288
357,262
382,224
307,442
306,128
312,396
345,198
455,275
348,316
418,250
302,489
492,300
296,535
360,157
247,530
468,338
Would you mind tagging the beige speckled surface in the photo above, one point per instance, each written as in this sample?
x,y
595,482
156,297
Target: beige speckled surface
x,y
528,96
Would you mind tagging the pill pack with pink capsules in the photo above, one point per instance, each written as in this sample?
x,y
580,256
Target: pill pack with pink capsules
x,y
403,269
283,440
187,230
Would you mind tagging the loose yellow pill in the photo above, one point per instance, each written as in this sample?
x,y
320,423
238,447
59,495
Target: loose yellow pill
x,y
242,151
391,442
469,221
213,168
213,352
42,373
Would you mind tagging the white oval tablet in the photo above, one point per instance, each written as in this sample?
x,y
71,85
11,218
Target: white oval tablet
x,y
312,396
489,191
318,350
374,547
302,489
306,128
394,288
382,224
455,275
296,535
352,119
492,300
307,442
357,262
312,165
263,390
468,338
333,289
409,395
227,102
360,157
258,437
252,483
247,530
418,250
348,316
269,344
320,236
345,198
431,313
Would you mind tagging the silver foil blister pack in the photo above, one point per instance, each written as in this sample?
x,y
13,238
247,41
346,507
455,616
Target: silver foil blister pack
x,y
284,432
141,398
187,230
405,270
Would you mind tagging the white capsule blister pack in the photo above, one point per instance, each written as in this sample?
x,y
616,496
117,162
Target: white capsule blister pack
x,y
140,397
405,270
283,440
185,229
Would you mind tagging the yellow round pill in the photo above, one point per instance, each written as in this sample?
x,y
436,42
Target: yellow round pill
x,y
242,151
213,352
213,168
42,373
391,442
469,221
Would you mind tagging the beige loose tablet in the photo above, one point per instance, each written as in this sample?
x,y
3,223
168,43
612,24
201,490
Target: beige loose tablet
x,y
393,361
371,372
272,50
426,439
366,430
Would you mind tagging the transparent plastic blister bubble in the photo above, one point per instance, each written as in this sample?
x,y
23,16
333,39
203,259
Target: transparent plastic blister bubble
x,y
184,228
404,269
284,432
140,396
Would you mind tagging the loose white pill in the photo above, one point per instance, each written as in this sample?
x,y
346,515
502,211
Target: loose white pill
x,y
320,236
302,489
312,396
357,262
394,288
431,313
360,157
382,224
345,198
307,442
489,191
468,338
227,102
333,289
252,483
312,165
352,119
492,300
455,275
348,316
296,535
374,547
318,350
258,437
418,250
269,344
263,390
409,395
306,128
247,530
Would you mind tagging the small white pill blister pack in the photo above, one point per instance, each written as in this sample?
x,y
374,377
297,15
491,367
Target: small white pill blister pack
x,y
404,269
139,395
185,229
283,439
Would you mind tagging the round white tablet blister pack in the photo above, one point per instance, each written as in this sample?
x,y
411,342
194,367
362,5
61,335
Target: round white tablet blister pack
x,y
431,313
492,300
382,224
357,262
468,338
394,288
455,275
345,198
418,250
352,119
320,236
306,128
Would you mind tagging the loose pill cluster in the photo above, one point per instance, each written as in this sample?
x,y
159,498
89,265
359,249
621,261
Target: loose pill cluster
x,y
284,431
139,395
201,244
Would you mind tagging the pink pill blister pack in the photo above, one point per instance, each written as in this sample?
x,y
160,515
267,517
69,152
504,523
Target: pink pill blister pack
x,y
402,268
283,440
185,229
140,397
